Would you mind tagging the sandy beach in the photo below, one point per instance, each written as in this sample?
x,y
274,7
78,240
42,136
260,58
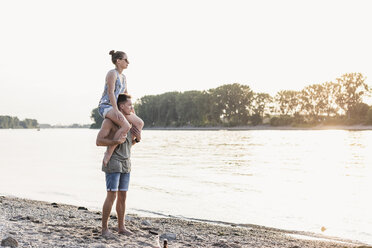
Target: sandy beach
x,y
30,223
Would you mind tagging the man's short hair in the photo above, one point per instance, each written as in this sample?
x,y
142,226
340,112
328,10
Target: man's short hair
x,y
122,98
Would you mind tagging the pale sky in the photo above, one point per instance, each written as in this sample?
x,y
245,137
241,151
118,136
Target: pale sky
x,y
54,54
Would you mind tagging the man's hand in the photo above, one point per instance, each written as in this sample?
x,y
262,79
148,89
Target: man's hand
x,y
135,132
121,139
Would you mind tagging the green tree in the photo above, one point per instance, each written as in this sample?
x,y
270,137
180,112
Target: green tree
x,y
13,122
28,123
147,108
6,121
158,110
192,108
261,103
288,102
369,116
352,88
260,106
313,101
359,111
231,104
329,94
96,118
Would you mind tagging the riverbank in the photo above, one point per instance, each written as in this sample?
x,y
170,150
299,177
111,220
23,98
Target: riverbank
x,y
266,127
41,224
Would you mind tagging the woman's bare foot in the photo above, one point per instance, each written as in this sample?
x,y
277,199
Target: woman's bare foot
x,y
125,231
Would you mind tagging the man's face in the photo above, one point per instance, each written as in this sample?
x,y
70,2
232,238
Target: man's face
x,y
126,107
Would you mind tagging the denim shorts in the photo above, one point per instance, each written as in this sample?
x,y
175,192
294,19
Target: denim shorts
x,y
103,110
117,181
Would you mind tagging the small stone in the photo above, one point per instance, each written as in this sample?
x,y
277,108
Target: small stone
x,y
54,204
30,218
153,232
198,238
99,246
146,223
113,217
9,242
82,208
168,236
128,218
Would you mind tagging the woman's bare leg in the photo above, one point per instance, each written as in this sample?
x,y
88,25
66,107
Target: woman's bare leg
x,y
137,122
123,130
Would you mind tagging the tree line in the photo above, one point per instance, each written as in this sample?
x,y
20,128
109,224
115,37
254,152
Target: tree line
x,y
13,122
339,102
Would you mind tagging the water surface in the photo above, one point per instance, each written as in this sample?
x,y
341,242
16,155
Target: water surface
x,y
289,179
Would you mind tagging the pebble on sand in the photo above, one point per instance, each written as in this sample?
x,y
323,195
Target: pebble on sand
x,y
9,242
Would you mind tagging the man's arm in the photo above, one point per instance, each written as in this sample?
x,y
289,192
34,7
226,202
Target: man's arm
x,y
103,135
134,132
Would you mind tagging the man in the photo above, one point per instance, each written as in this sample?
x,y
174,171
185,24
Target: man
x,y
118,168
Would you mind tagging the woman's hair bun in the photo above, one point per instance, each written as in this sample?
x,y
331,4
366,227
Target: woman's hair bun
x,y
112,52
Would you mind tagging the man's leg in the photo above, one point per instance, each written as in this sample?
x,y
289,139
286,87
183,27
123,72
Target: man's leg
x,y
120,209
112,186
106,211
120,203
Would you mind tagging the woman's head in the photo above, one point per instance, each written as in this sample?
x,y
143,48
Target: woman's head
x,y
120,59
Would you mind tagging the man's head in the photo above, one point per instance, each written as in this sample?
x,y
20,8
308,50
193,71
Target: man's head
x,y
125,103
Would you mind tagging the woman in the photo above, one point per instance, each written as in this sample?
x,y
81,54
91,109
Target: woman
x,y
107,108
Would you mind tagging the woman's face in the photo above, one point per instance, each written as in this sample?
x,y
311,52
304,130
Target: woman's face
x,y
123,63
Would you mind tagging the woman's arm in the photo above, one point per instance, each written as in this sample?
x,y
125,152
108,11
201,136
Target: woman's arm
x,y
110,80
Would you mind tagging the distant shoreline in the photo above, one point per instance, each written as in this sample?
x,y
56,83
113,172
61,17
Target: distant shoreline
x,y
264,127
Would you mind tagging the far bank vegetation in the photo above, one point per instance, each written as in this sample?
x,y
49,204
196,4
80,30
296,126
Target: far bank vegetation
x,y
7,121
329,103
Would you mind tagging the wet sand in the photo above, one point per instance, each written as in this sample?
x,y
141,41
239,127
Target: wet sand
x,y
42,224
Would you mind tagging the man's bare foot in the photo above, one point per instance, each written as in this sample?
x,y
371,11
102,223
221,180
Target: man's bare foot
x,y
125,231
106,158
107,234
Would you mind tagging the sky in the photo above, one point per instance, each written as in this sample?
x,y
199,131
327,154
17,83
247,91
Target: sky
x,y
54,54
